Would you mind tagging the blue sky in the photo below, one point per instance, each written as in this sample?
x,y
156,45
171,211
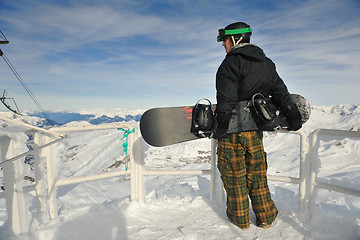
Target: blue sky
x,y
141,54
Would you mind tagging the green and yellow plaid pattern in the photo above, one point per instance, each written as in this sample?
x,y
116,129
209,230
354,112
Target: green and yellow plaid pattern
x,y
242,164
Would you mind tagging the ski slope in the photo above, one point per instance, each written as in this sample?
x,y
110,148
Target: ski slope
x,y
179,207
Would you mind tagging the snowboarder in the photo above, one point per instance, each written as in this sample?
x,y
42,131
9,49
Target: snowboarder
x,y
242,163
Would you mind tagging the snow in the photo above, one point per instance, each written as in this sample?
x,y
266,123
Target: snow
x,y
179,207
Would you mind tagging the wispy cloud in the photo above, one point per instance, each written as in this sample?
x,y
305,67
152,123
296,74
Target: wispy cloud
x,y
315,47
142,53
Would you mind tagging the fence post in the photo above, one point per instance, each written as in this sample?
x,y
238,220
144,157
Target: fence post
x,y
313,166
13,181
213,195
304,149
39,175
139,154
133,168
217,193
48,153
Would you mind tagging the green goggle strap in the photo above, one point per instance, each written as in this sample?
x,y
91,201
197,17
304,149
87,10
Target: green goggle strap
x,y
232,32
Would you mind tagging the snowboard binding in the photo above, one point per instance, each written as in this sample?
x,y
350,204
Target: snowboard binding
x,y
261,109
203,119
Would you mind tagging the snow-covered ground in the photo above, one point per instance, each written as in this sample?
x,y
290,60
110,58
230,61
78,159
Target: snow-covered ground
x,y
179,207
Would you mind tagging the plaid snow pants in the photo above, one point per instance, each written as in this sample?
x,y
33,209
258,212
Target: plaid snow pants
x,y
242,164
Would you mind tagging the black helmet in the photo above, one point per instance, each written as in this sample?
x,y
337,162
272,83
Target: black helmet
x,y
239,30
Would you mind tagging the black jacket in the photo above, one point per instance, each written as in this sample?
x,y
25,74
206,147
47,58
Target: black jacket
x,y
246,71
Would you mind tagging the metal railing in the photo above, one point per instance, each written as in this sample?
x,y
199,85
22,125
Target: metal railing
x,y
13,175
54,183
141,170
316,182
217,194
17,212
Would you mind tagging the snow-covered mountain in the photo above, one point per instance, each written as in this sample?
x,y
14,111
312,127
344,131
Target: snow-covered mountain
x,y
93,116
179,207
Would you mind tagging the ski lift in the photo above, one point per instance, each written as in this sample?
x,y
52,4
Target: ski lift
x,y
3,39
3,99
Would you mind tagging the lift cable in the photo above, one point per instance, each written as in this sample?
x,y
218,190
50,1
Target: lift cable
x,y
26,87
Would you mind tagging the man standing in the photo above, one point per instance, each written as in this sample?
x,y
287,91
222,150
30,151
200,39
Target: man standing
x,y
242,163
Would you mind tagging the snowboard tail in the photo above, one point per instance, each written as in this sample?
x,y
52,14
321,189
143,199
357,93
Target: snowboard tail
x,y
165,126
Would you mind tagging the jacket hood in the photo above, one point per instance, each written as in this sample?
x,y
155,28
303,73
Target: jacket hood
x,y
249,51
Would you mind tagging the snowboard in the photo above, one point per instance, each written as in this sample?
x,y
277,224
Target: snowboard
x,y
170,125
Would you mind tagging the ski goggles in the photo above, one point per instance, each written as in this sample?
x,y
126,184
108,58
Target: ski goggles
x,y
223,32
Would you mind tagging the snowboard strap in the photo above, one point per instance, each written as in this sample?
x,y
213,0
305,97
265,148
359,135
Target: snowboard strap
x,y
203,120
260,108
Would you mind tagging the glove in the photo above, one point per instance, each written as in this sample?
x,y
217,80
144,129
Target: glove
x,y
222,123
293,117
294,126
219,133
